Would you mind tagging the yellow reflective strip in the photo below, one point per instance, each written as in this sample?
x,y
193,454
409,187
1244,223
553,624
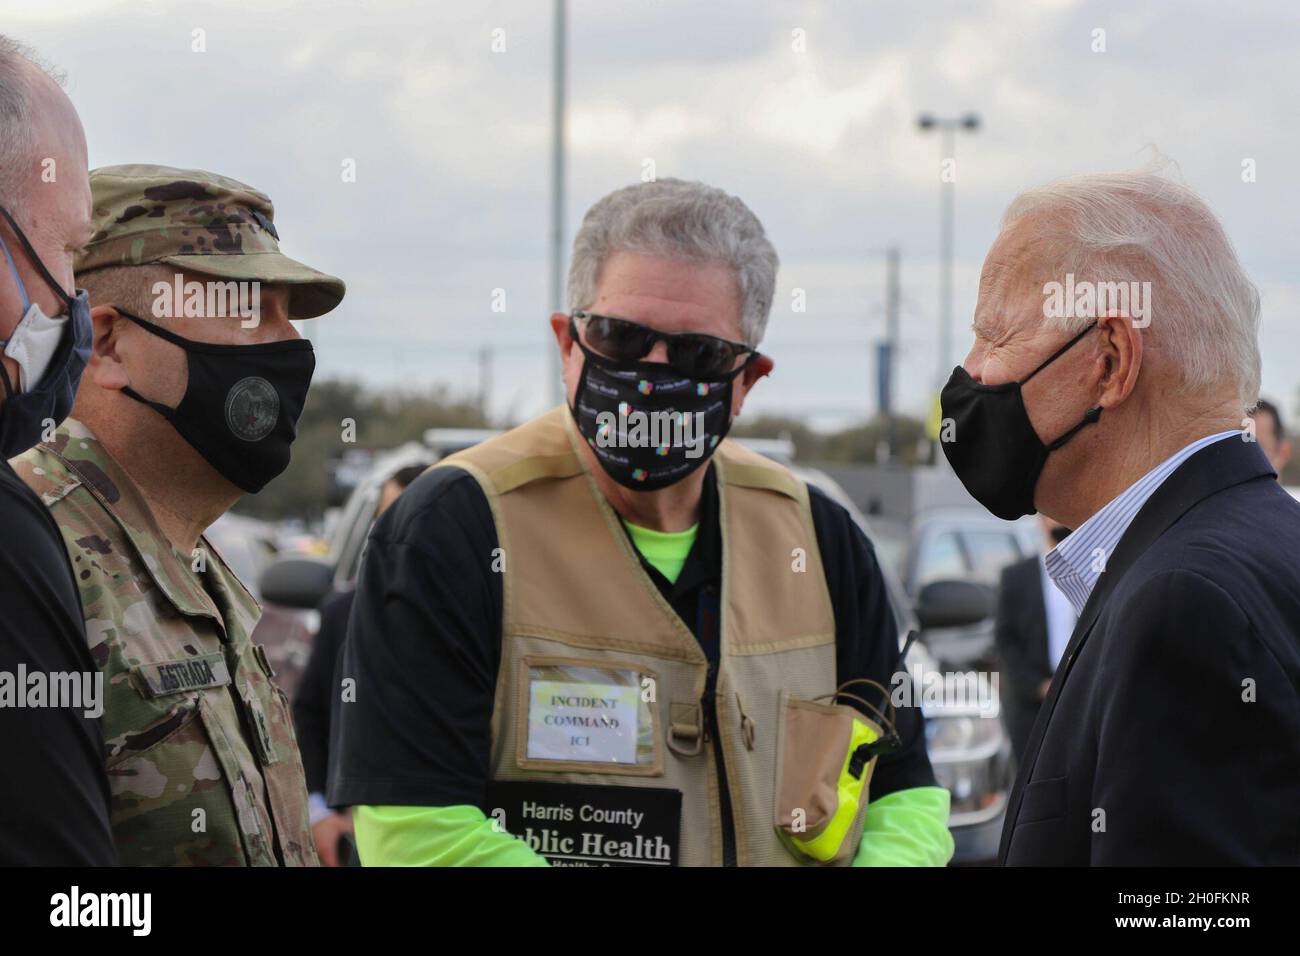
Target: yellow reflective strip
x,y
827,844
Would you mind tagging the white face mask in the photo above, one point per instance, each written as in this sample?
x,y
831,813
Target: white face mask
x,y
33,344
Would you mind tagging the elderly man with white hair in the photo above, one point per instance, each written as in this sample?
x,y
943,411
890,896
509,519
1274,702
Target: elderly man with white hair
x,y
54,795
1115,360
614,636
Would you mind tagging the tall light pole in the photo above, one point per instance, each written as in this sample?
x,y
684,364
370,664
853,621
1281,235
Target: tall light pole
x,y
887,355
947,127
556,250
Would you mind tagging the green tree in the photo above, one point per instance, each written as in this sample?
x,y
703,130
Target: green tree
x,y
337,411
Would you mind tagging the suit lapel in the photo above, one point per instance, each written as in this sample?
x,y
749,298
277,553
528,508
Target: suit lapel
x,y
1214,468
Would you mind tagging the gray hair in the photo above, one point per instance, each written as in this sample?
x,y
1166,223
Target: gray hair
x,y
675,219
19,65
1141,226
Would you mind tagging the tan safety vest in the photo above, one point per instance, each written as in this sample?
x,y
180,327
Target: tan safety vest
x,y
576,595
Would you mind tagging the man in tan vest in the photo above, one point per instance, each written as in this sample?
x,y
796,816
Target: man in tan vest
x,y
611,636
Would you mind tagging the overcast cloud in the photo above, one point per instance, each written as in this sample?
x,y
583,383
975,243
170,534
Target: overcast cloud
x,y
451,144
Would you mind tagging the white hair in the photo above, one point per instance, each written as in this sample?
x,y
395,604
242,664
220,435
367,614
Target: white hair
x,y
675,219
1140,226
19,66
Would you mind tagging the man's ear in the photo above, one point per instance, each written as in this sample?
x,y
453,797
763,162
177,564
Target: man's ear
x,y
759,367
1120,359
107,368
560,326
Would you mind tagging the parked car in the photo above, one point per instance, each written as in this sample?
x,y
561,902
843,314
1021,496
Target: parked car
x,y
969,752
967,740
950,562
960,544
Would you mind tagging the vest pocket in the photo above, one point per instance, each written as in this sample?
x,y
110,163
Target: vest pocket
x,y
822,778
254,824
587,715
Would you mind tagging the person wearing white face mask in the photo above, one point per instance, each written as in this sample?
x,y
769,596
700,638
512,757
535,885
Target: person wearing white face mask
x,y
54,792
50,353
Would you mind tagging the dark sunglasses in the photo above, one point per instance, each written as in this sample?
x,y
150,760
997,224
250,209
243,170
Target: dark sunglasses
x,y
691,354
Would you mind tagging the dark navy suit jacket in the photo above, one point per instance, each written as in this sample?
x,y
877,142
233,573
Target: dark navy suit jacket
x,y
1171,734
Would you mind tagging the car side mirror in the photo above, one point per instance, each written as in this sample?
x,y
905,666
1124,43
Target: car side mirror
x,y
297,582
954,604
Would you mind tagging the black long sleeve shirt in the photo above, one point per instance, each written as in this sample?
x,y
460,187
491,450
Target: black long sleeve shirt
x,y
424,643
54,796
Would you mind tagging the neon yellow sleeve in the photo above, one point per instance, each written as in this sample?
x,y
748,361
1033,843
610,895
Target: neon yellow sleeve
x,y
436,836
906,828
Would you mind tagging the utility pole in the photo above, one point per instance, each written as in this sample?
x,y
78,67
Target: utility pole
x,y
485,382
556,251
947,127
890,365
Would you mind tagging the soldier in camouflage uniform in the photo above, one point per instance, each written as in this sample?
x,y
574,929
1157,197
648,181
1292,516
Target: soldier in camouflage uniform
x,y
201,753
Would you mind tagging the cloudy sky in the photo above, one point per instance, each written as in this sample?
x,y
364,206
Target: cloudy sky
x,y
450,140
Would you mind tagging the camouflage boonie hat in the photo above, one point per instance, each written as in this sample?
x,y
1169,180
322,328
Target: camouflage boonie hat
x,y
199,221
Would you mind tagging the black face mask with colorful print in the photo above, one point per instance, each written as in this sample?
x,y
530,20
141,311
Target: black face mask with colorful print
x,y
648,425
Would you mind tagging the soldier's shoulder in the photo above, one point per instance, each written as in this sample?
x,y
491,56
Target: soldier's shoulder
x,y
43,471
94,540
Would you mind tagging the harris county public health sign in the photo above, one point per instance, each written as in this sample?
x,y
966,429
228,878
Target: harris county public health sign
x,y
587,825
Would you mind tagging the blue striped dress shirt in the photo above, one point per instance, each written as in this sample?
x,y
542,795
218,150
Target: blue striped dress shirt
x,y
1077,562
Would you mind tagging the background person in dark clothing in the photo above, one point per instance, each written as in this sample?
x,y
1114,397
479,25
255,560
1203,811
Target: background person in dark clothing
x,y
318,691
1032,626
53,791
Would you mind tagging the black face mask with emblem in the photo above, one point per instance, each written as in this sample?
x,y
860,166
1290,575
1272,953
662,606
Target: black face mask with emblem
x,y
241,406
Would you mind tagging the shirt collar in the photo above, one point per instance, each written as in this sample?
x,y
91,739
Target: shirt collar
x,y
1077,562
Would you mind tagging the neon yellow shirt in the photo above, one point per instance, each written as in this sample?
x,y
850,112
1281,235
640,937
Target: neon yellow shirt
x,y
665,550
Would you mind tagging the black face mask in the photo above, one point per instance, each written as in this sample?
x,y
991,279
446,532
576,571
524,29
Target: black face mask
x,y
995,451
241,406
615,404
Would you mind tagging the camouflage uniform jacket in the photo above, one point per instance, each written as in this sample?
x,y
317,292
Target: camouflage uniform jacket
x,y
202,759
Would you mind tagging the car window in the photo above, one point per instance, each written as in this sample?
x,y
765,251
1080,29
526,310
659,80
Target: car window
x,y
889,551
940,559
245,553
990,552
355,535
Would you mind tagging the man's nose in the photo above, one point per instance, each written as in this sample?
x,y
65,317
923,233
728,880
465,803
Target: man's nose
x,y
974,362
659,353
